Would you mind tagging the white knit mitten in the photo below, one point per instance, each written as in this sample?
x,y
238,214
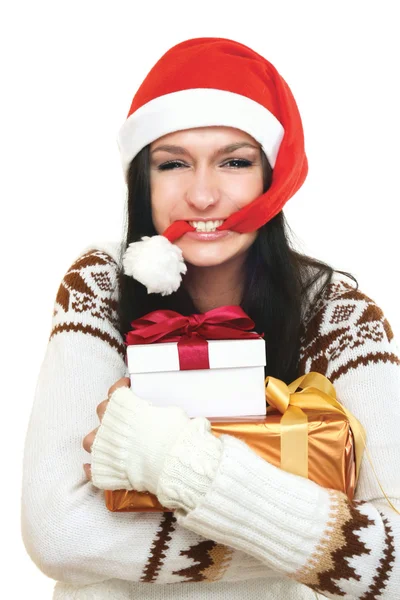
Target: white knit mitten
x,y
135,438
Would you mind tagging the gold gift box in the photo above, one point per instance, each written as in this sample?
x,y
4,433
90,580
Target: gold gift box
x,y
306,432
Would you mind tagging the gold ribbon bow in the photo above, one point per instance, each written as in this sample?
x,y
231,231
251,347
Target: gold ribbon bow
x,y
316,393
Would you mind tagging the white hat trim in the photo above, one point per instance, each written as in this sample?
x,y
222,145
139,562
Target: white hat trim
x,y
199,107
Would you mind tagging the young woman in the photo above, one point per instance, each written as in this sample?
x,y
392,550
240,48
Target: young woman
x,y
212,149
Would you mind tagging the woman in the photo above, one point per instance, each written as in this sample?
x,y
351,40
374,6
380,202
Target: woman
x,y
213,141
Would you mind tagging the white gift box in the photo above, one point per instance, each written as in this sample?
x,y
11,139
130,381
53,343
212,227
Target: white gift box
x,y
232,386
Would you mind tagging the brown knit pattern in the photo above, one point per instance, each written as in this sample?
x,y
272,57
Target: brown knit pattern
x,y
343,320
221,556
341,331
210,561
202,559
385,568
339,542
89,291
159,548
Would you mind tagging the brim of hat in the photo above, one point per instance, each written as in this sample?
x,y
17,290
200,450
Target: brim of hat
x,y
199,107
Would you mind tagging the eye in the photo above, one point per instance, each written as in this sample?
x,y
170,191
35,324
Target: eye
x,y
168,166
240,162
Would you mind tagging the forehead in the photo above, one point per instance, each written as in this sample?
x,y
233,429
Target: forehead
x,y
212,136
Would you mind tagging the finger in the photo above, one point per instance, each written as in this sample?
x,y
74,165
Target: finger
x,y
88,471
89,439
101,409
123,382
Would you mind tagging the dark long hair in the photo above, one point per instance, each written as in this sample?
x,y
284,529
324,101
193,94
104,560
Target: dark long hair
x,y
278,278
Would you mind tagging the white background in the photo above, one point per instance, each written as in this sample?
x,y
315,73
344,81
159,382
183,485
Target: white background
x,y
69,72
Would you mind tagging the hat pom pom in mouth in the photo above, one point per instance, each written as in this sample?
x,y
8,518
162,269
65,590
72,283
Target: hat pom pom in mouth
x,y
156,263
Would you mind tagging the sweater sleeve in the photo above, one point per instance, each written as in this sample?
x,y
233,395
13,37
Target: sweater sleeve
x,y
308,533
67,530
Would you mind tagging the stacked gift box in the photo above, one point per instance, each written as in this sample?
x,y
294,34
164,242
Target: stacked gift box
x,y
213,365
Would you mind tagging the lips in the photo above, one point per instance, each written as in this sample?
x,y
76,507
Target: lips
x,y
205,236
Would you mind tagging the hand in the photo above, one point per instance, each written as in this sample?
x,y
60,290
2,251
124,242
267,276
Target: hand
x,y
101,409
129,447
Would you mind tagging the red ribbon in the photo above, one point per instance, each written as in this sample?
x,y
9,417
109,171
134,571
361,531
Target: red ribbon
x,y
191,332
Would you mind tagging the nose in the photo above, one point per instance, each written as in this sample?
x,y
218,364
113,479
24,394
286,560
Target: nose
x,y
203,191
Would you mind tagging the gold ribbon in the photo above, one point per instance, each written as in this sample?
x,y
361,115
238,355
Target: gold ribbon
x,y
316,393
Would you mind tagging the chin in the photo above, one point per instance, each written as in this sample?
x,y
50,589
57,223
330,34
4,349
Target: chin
x,y
208,259
203,262
212,254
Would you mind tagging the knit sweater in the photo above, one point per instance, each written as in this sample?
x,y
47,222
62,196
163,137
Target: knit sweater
x,y
241,527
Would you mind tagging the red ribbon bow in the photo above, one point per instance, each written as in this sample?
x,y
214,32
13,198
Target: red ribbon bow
x,y
191,332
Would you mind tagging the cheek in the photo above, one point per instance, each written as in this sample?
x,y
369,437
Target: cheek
x,y
244,189
247,240
162,205
157,217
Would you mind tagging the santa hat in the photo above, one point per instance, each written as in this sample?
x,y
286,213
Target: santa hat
x,y
204,82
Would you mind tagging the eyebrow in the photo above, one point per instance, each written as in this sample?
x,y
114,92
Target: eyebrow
x,y
224,150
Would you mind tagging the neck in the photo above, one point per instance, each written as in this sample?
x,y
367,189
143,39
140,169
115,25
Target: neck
x,y
219,285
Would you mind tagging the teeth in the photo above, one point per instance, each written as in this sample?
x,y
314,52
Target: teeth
x,y
206,225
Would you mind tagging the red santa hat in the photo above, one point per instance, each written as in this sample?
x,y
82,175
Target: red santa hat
x,y
204,82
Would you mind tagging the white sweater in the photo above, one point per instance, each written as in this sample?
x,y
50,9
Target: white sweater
x,y
242,528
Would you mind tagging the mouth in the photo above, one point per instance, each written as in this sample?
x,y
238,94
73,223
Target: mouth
x,y
206,226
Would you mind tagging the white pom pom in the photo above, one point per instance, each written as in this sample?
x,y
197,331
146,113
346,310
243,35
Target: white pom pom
x,y
155,262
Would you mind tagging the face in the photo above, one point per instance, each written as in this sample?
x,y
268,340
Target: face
x,y
195,176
